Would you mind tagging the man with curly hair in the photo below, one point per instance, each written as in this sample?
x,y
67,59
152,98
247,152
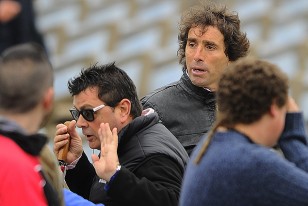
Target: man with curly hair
x,y
236,165
209,39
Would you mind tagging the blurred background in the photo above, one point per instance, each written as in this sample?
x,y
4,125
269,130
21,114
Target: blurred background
x,y
141,37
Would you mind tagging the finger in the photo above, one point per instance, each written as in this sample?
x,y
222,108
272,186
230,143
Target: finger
x,y
109,134
94,158
58,126
115,135
72,125
95,161
104,132
110,137
71,130
102,136
61,129
60,138
98,165
292,106
58,145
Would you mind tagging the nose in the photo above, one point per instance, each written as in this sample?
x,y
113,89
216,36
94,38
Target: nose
x,y
198,55
81,122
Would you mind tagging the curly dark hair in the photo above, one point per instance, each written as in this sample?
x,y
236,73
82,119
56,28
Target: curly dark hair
x,y
113,85
246,91
228,23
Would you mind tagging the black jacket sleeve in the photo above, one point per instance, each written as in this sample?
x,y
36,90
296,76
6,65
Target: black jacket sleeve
x,y
79,179
155,182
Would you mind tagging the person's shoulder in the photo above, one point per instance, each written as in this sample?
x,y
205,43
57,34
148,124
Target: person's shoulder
x,y
7,154
242,150
12,154
162,162
16,163
8,146
159,93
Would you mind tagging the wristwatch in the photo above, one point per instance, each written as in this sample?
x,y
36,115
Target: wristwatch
x,y
112,177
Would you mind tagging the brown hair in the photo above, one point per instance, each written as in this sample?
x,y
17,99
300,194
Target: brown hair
x,y
246,91
52,172
25,75
228,23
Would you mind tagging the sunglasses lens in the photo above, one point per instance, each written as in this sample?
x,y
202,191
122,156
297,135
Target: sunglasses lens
x,y
88,114
75,114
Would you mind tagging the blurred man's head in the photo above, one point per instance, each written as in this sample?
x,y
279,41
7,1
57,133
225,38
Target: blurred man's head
x,y
26,81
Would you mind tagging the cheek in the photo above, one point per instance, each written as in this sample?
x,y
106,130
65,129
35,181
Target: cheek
x,y
95,144
282,125
95,125
220,62
188,53
219,67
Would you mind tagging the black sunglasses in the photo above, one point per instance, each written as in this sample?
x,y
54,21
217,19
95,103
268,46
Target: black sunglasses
x,y
87,114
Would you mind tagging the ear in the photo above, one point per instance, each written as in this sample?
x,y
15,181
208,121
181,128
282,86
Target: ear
x,y
124,108
273,110
48,99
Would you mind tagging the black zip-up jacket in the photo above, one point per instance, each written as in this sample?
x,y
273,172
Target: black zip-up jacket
x,y
152,167
186,110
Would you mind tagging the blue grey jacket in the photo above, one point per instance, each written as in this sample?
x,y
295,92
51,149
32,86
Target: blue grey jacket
x,y
235,171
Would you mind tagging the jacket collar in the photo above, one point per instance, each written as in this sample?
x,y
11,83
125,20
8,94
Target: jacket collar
x,y
138,124
199,92
31,144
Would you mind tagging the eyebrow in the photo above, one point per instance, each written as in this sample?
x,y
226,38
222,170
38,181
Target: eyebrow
x,y
191,39
205,42
84,107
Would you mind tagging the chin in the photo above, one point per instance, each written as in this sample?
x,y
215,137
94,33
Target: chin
x,y
94,146
197,83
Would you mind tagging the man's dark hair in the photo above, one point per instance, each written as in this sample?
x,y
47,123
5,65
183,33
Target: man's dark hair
x,y
113,85
228,23
25,74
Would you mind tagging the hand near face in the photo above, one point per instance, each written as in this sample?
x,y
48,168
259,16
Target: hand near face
x,y
105,165
291,105
63,132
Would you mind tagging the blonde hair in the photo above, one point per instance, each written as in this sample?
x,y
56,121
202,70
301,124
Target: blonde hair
x,y
52,172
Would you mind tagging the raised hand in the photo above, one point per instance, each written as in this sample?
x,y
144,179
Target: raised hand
x,y
291,105
105,165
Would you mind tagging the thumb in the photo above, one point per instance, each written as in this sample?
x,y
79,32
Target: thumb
x,y
94,158
72,129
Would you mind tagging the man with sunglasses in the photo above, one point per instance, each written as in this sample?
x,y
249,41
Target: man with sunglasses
x,y
140,163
